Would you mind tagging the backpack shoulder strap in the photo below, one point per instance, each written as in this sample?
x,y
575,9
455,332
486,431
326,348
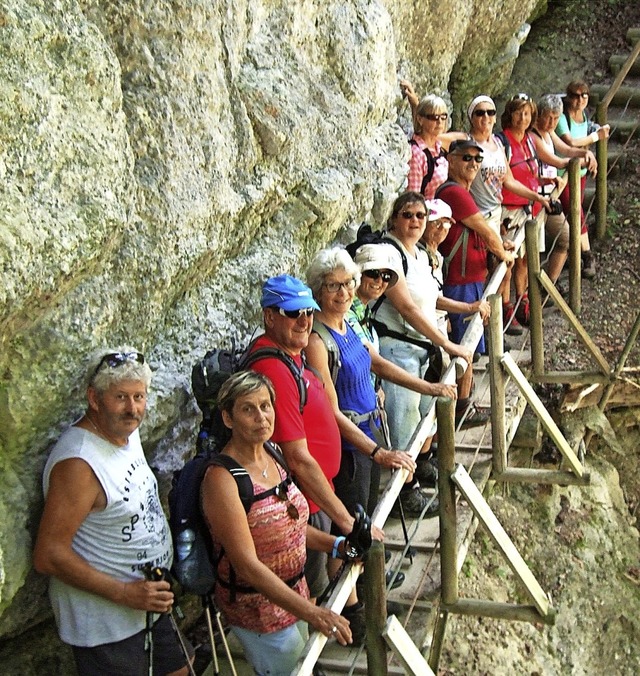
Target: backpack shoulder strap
x,y
505,142
431,166
265,353
243,479
240,475
462,241
333,351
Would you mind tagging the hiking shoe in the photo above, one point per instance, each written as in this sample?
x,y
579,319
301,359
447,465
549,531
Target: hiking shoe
x,y
510,321
413,502
522,311
398,580
472,416
426,473
588,265
357,623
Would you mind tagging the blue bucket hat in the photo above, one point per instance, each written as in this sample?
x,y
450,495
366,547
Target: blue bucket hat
x,y
288,293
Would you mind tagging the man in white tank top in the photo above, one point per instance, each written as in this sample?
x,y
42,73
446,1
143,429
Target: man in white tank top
x,y
103,524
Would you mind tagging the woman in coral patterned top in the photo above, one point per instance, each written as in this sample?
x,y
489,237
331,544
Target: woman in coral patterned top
x,y
261,589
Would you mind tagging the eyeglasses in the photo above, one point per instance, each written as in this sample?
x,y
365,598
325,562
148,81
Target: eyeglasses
x,y
521,97
482,113
420,215
378,274
334,287
434,117
115,359
469,158
296,314
579,95
281,491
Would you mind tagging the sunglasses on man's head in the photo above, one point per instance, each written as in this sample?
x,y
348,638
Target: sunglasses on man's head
x,y
296,314
481,113
115,359
420,215
378,274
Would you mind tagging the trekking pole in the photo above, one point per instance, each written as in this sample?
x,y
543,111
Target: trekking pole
x,y
158,574
223,637
207,612
405,532
148,642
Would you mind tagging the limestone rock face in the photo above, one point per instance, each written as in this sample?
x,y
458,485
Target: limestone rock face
x,y
159,159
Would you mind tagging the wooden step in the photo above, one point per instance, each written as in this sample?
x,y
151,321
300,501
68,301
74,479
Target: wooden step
x,y
618,60
625,95
621,129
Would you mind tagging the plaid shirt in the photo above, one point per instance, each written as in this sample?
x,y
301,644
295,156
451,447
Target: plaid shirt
x,y
418,168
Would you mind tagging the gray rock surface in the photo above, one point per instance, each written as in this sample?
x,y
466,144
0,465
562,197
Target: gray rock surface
x,y
159,160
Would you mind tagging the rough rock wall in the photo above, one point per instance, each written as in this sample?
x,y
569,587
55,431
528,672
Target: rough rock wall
x,y
159,159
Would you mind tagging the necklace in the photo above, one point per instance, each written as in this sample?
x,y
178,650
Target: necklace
x,y
265,471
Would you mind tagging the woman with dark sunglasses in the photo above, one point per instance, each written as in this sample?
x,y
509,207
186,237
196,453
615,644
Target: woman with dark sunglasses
x,y
261,588
428,166
577,131
495,175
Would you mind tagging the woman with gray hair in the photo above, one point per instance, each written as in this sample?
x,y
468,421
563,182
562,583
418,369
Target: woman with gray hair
x,y
428,166
345,364
548,144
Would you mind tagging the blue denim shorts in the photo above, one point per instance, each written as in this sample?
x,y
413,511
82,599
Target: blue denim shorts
x,y
273,654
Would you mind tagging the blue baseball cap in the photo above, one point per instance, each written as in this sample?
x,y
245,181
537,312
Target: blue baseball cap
x,y
288,293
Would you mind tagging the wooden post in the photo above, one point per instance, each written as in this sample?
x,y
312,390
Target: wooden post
x,y
497,385
535,298
445,409
601,178
575,263
375,604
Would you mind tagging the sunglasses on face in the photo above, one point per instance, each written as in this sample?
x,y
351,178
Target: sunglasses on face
x,y
379,274
435,117
579,95
334,287
442,223
420,215
115,359
296,314
481,113
521,97
470,158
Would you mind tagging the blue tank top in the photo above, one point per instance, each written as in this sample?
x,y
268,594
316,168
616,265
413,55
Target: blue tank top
x,y
353,383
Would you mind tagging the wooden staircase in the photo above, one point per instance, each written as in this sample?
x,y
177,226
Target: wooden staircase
x,y
624,114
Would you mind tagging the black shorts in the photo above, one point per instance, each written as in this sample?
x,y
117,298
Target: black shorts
x,y
129,657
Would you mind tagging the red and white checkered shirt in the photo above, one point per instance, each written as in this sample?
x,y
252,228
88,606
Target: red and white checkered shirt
x,y
418,168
